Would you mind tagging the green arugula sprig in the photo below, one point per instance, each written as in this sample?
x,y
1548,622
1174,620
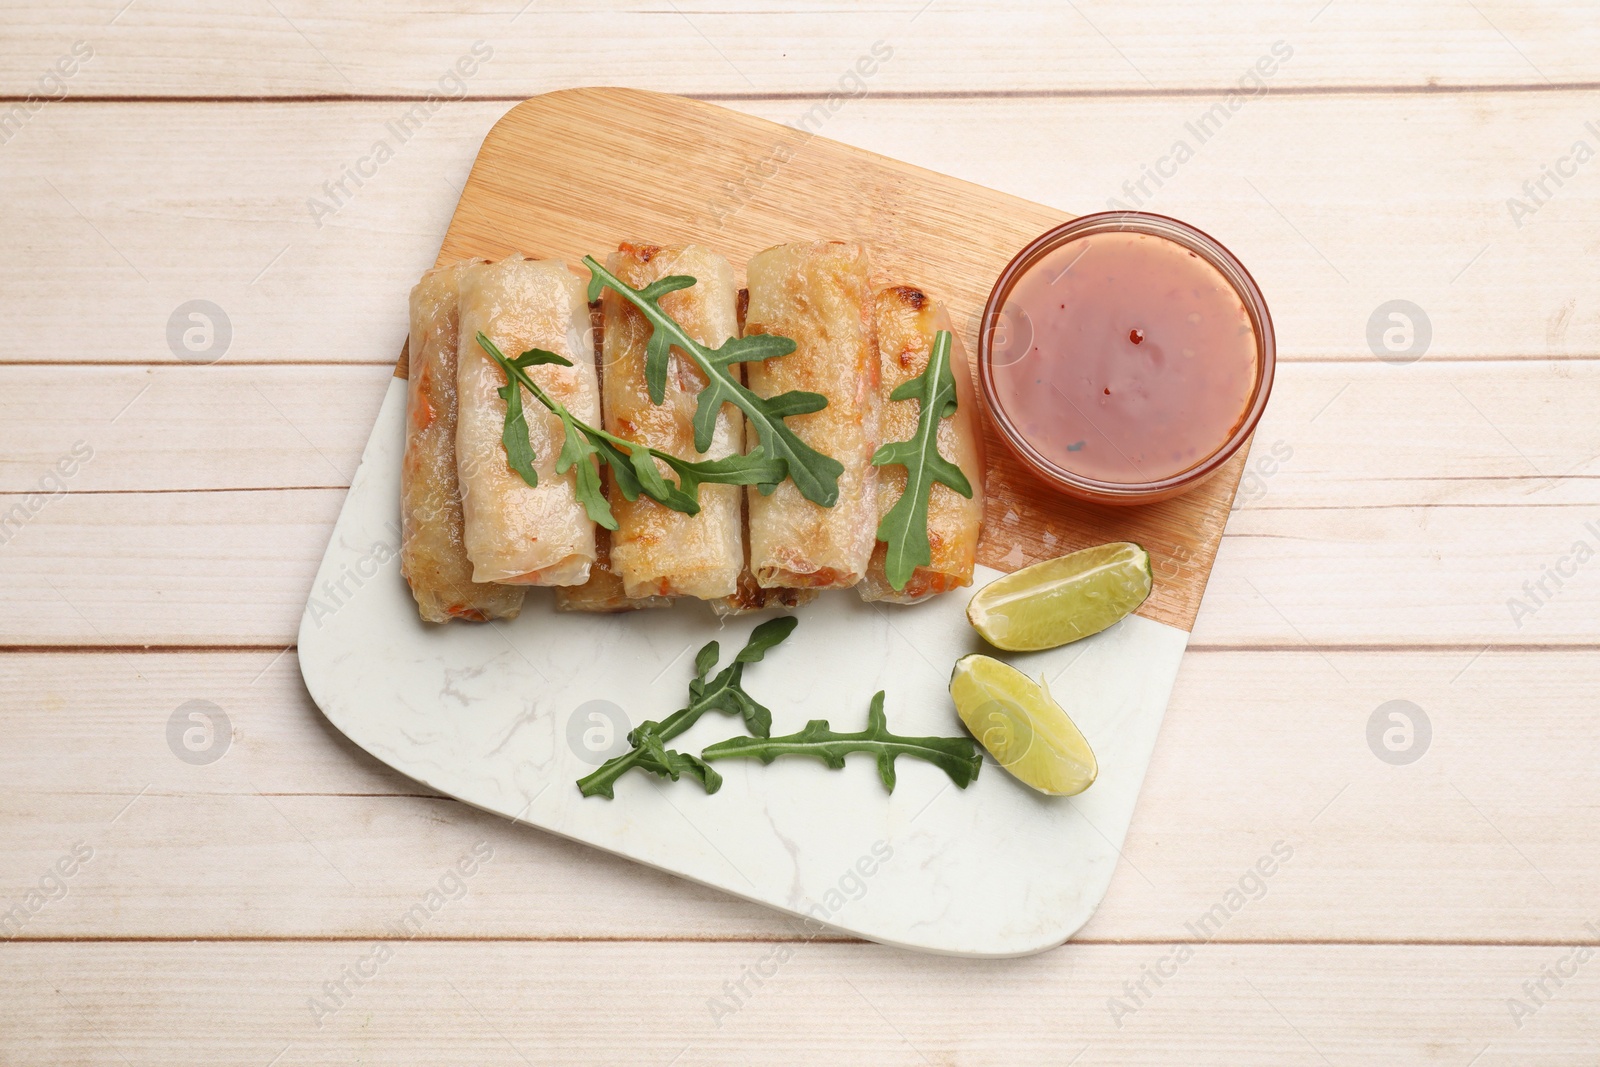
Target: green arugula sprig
x,y
814,474
724,693
904,527
956,756
633,464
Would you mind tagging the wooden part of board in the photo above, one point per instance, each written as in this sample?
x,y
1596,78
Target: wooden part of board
x,y
573,173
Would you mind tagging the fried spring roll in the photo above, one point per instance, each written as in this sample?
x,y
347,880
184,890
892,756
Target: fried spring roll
x,y
603,594
657,551
818,294
433,557
908,321
750,597
516,533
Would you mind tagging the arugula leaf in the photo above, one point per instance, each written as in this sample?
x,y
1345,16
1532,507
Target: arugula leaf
x,y
674,765
904,527
659,347
577,448
576,451
955,756
752,468
724,693
519,450
763,639
632,464
814,474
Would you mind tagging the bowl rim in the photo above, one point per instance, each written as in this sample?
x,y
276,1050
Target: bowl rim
x,y
1203,245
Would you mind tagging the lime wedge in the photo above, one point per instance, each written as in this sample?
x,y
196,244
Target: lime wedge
x,y
1022,726
1063,599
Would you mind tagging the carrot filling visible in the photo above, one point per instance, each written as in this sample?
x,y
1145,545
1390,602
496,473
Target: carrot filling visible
x,y
423,413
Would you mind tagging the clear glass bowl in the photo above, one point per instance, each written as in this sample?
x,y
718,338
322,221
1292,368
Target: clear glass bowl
x,y
996,317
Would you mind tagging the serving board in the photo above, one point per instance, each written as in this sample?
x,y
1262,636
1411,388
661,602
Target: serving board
x,y
507,715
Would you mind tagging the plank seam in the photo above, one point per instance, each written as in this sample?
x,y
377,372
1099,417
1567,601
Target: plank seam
x,y
1451,648
1310,360
1434,505
742,939
229,489
1127,92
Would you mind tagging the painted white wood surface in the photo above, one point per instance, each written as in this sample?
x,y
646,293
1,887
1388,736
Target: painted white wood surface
x,y
577,1003
1336,202
1374,565
300,47
261,843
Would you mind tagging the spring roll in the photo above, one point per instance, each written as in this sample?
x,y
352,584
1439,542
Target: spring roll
x,y
751,597
433,557
818,294
603,594
516,533
657,551
908,321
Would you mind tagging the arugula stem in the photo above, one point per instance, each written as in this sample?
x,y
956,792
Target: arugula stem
x,y
632,463
564,413
723,693
815,475
605,777
956,756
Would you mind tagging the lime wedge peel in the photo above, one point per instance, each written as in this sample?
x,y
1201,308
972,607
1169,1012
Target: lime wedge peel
x,y
1062,600
1022,727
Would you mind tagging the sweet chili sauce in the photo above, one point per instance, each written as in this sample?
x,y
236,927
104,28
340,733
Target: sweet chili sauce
x,y
1126,358
1141,359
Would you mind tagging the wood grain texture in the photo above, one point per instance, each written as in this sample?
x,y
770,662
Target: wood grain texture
x,y
190,48
1470,433
1362,470
1404,518
236,567
560,176
294,833
580,1004
1336,203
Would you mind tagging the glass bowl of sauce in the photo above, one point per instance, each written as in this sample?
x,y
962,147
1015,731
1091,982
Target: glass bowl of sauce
x,y
1125,356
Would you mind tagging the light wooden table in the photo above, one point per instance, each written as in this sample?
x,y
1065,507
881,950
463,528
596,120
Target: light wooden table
x,y
1427,912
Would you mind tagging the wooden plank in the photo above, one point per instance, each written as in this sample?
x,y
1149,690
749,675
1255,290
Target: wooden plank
x,y
1335,434
1337,204
236,567
291,832
295,47
178,427
561,1004
217,568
